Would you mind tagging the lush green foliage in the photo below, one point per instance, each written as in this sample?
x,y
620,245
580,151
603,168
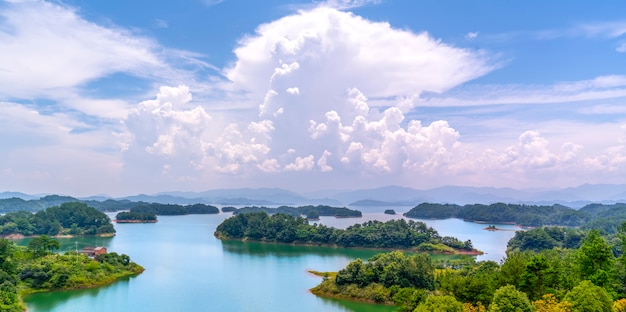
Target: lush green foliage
x,y
36,269
135,216
588,278
440,304
503,213
228,209
320,210
282,228
69,218
173,210
546,238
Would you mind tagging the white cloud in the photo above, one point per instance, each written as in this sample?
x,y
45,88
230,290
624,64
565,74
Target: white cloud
x,y
350,4
621,48
47,50
471,35
293,91
62,50
599,88
322,162
160,23
335,51
301,164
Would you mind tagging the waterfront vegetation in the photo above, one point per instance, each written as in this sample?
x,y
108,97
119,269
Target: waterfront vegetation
x,y
309,211
393,234
588,278
67,219
25,270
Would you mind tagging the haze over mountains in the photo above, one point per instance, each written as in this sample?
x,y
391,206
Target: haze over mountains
x,y
384,196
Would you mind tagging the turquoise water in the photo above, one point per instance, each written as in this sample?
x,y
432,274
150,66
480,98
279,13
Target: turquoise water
x,y
188,269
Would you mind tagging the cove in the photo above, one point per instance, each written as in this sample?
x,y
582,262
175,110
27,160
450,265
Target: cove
x,y
188,269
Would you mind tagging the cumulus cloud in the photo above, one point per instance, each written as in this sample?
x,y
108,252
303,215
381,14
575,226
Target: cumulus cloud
x,y
332,50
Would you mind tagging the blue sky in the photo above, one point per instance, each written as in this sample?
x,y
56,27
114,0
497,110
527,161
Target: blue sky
x,y
126,97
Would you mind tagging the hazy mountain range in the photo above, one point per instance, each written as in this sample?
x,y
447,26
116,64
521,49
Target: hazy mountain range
x,y
384,196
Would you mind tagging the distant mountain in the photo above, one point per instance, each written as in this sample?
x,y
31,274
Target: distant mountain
x,y
267,196
574,197
19,195
165,199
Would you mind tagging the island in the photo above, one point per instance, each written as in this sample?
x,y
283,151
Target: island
x,y
393,234
173,209
26,270
320,210
135,217
228,209
68,219
390,212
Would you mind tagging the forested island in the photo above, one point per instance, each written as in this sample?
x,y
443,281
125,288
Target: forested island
x,y
590,277
66,219
174,210
135,217
393,234
311,212
25,270
593,216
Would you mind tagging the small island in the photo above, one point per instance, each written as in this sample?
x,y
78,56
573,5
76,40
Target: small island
x,y
393,234
26,270
135,217
320,210
390,212
228,209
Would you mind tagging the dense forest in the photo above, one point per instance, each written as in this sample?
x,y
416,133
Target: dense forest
x,y
128,216
68,218
587,278
35,268
593,216
281,228
173,209
309,211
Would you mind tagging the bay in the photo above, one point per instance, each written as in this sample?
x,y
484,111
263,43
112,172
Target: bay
x,y
188,269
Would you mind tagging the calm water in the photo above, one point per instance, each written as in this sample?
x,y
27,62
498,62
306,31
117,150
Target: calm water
x,y
188,269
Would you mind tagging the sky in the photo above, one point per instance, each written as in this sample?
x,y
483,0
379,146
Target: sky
x,y
126,97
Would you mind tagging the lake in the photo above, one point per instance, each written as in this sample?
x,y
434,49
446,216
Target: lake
x,y
188,269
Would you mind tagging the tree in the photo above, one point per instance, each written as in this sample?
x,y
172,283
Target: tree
x,y
509,299
587,297
533,278
549,303
440,304
595,260
40,246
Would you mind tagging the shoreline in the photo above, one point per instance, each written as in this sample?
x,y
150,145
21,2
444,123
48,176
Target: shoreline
x,y
456,251
135,221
